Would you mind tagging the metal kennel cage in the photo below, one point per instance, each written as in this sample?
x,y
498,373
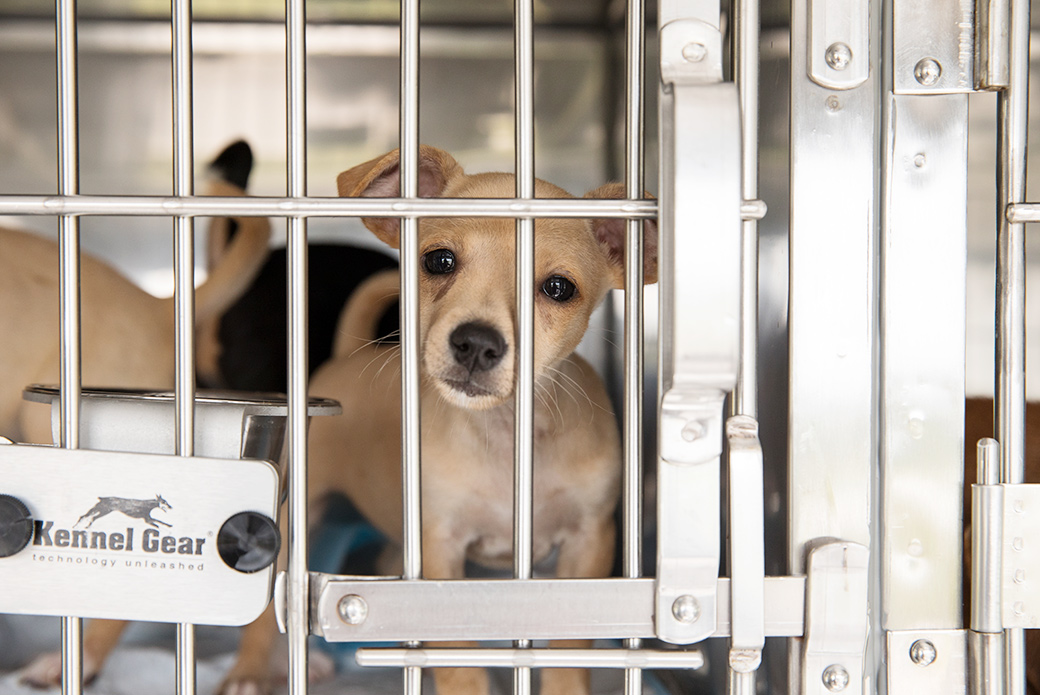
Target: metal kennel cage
x,y
843,369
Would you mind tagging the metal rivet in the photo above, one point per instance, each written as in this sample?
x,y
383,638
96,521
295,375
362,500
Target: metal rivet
x,y
1019,608
927,72
833,103
1018,543
920,160
686,610
352,609
693,431
694,52
1020,576
835,678
922,652
838,56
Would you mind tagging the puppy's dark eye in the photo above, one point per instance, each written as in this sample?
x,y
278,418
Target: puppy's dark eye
x,y
558,288
439,262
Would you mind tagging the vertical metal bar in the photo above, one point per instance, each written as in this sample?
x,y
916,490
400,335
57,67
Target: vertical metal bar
x,y
747,640
409,134
184,286
632,503
70,380
411,460
1012,122
523,482
922,365
745,70
298,624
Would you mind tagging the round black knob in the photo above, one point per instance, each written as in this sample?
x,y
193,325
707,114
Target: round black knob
x,y
16,525
249,542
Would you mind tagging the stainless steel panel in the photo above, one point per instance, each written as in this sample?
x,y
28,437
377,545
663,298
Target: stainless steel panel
x,y
832,307
922,361
161,568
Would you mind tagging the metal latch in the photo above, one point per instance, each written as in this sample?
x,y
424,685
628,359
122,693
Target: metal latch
x,y
836,615
700,226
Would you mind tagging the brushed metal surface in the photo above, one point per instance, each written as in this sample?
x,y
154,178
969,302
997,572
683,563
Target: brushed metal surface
x,y
158,566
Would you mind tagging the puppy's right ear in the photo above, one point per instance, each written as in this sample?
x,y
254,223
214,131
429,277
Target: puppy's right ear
x,y
381,178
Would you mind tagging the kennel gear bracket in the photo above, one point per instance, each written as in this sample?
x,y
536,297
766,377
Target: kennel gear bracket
x,y
136,536
700,225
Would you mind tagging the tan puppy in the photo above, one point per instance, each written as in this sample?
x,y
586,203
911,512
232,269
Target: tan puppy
x,y
468,355
127,341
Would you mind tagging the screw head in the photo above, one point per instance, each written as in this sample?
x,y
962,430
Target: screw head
x,y
922,652
835,678
693,430
352,609
686,609
927,72
838,55
694,52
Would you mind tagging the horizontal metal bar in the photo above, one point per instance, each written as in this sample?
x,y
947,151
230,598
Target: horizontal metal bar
x,y
1019,213
397,610
209,206
530,658
213,206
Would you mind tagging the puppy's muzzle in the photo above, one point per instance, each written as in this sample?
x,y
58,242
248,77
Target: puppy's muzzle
x,y
477,347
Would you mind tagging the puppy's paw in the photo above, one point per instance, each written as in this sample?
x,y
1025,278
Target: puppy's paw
x,y
45,670
245,686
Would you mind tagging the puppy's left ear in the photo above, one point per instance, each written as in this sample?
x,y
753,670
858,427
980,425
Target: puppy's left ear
x,y
610,233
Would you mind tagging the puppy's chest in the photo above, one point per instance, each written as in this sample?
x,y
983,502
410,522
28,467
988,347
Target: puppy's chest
x,y
477,494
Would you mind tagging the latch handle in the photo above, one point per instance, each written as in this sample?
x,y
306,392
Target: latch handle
x,y
700,223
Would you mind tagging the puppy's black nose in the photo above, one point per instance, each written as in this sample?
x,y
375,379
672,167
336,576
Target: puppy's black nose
x,y
477,346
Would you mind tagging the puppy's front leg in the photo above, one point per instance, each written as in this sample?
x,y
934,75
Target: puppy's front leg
x,y
99,639
586,553
444,557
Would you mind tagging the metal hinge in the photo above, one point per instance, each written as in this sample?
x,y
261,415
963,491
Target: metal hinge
x,y
950,46
927,661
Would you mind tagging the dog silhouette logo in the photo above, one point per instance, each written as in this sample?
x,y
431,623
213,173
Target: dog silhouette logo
x,y
135,509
